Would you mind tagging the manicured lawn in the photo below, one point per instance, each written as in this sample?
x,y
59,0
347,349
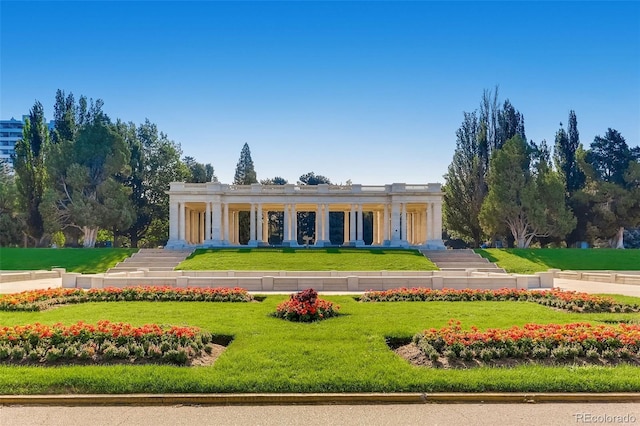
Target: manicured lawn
x,y
74,260
527,261
330,259
343,354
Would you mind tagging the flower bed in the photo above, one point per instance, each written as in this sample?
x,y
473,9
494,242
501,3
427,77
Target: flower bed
x,y
532,341
567,300
305,306
105,341
38,300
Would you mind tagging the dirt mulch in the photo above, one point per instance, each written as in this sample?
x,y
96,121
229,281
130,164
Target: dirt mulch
x,y
415,357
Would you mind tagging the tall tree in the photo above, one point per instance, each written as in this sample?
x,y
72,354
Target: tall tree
x,y
199,173
481,134
29,164
245,172
526,204
245,175
465,186
613,187
11,221
567,147
610,156
64,115
87,173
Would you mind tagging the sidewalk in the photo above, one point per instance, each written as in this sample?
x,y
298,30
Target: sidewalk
x,y
561,283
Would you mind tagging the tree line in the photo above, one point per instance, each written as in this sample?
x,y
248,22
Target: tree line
x,y
499,187
91,178
90,175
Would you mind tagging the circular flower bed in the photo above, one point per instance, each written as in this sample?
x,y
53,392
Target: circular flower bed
x,y
305,306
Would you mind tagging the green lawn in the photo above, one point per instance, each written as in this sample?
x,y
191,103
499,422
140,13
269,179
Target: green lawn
x,y
527,261
83,260
343,354
330,259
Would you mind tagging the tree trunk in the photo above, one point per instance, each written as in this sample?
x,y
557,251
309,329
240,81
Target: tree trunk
x,y
90,235
618,241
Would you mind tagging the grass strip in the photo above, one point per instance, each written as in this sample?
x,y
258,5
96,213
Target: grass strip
x,y
347,353
529,261
83,260
312,259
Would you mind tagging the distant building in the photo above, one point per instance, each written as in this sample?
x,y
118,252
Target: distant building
x,y
10,133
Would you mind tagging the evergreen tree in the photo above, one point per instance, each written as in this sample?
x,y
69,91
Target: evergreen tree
x,y
245,175
245,172
88,175
64,116
613,187
31,175
11,221
465,186
523,202
481,134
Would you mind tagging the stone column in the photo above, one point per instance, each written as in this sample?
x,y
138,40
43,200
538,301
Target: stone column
x,y
207,221
259,225
225,218
202,234
265,227
216,226
352,225
318,233
437,222
327,225
359,237
345,236
182,232
385,225
395,224
430,221
187,225
174,218
294,224
285,224
252,224
403,222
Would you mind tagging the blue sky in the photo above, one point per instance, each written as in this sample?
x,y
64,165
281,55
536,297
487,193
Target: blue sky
x,y
367,91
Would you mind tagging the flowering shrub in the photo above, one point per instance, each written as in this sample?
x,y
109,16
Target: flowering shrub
x,y
568,300
104,341
38,300
305,306
560,341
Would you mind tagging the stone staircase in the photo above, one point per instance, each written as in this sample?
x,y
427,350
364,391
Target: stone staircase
x,y
459,260
152,259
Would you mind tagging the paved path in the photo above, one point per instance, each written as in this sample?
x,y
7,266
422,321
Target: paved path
x,y
565,284
421,414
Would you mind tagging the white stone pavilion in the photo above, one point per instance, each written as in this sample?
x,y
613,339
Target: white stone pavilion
x,y
207,214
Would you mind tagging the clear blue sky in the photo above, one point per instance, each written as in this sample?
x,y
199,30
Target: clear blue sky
x,y
371,92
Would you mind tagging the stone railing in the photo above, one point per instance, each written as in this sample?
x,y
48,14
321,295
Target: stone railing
x,y
322,281
616,277
13,276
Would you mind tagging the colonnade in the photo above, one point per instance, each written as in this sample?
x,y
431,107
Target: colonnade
x,y
213,223
210,214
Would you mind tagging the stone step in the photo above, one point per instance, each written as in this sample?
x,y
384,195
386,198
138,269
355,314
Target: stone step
x,y
152,259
